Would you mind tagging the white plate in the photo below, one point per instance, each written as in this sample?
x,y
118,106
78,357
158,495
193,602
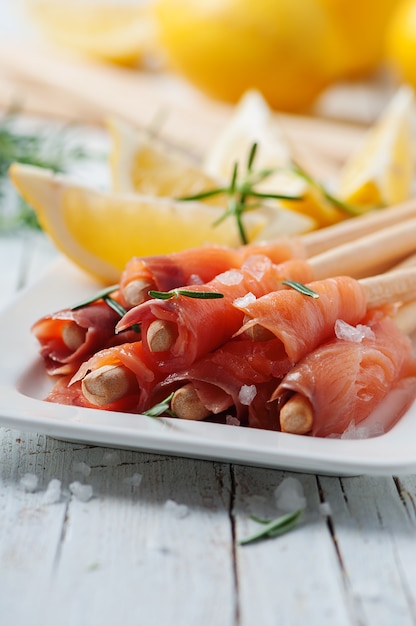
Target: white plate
x,y
23,384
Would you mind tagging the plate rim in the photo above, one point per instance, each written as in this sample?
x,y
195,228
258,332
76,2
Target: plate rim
x,y
390,453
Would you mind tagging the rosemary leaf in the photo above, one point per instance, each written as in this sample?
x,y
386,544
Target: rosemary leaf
x,y
301,288
273,528
120,310
204,194
161,408
97,296
175,293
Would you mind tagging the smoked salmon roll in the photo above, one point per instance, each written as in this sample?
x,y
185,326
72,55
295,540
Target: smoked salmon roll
x,y
116,378
70,336
302,322
227,379
194,266
180,330
363,377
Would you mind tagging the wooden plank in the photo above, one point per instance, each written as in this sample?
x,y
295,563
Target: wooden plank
x,y
373,534
290,580
126,554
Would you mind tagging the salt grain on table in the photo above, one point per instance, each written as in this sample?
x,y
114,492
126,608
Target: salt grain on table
x,y
82,468
29,482
325,509
178,510
53,492
133,480
81,492
111,459
289,495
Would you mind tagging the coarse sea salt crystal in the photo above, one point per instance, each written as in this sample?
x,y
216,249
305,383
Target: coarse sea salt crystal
x,y
53,492
289,495
249,298
362,432
194,279
29,482
111,459
178,510
80,491
230,420
355,334
231,277
325,509
81,468
247,394
134,480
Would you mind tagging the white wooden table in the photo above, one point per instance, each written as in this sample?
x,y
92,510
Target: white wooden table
x,y
157,543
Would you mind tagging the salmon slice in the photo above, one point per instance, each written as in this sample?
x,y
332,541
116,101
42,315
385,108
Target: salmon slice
x,y
194,266
301,322
202,325
69,336
366,380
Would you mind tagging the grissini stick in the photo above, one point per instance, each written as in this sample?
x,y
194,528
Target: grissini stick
x,y
103,384
318,241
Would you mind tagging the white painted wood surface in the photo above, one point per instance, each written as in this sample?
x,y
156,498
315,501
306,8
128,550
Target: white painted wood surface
x,y
164,549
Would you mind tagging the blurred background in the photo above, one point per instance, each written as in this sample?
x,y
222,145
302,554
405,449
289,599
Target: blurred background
x,y
333,58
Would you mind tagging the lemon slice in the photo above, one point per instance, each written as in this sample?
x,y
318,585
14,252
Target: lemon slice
x,y
142,163
380,173
100,231
253,122
116,32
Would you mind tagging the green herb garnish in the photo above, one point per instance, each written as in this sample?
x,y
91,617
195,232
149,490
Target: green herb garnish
x,y
175,293
97,296
104,294
160,408
240,193
301,288
50,150
120,310
273,528
347,208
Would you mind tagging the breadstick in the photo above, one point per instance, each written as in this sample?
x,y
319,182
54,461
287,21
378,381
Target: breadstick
x,y
358,258
296,416
73,335
319,241
108,384
161,335
186,404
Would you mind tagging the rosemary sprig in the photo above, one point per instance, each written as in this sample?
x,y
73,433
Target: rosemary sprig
x,y
273,528
301,288
99,295
347,208
161,408
49,150
175,293
241,192
104,294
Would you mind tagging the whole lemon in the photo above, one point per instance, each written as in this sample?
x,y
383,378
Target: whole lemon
x,y
290,50
401,41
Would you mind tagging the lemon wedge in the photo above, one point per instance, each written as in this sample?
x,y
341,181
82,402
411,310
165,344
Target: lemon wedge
x,y
142,163
253,121
100,231
380,173
117,32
